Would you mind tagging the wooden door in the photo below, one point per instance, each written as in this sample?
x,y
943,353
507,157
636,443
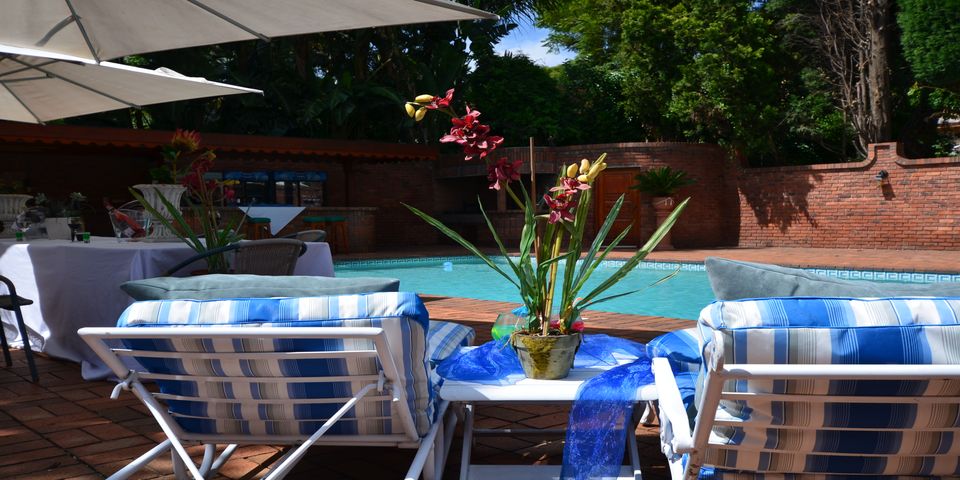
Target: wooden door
x,y
610,185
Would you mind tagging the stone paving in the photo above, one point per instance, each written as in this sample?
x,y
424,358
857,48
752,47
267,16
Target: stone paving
x,y
66,428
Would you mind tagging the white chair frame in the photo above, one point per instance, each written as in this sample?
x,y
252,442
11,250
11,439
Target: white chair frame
x,y
432,448
695,442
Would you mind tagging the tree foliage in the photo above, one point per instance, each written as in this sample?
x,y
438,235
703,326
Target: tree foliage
x,y
931,40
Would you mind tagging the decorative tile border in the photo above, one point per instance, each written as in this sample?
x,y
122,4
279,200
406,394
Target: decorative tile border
x,y
874,275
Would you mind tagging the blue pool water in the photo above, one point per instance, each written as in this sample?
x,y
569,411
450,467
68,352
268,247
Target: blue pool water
x,y
682,296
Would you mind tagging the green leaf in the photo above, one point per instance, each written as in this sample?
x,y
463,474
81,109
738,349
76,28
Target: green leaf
x,y
611,297
639,256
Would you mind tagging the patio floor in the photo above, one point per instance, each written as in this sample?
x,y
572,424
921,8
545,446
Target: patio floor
x,y
66,428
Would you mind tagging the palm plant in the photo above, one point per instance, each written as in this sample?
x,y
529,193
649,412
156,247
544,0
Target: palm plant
x,y
662,181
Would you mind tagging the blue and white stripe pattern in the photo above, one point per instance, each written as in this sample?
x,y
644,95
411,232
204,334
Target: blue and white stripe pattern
x,y
250,407
682,349
836,436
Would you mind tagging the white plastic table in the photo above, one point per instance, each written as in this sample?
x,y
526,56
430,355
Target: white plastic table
x,y
76,284
530,391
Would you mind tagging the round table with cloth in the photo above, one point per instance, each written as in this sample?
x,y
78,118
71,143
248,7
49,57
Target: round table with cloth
x,y
76,284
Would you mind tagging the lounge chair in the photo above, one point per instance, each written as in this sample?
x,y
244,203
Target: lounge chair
x,y
342,370
826,387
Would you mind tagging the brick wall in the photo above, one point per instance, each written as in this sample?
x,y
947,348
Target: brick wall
x,y
387,186
842,205
704,221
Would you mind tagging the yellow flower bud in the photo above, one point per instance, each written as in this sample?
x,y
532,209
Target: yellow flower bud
x,y
595,169
584,166
423,99
411,111
583,179
422,112
572,170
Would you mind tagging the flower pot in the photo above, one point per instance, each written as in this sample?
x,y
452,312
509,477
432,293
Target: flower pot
x,y
151,193
546,357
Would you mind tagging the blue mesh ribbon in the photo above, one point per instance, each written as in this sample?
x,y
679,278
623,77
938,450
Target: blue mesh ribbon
x,y
602,410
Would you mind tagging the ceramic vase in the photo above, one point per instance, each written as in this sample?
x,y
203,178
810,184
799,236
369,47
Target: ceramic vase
x,y
58,228
11,205
151,192
546,357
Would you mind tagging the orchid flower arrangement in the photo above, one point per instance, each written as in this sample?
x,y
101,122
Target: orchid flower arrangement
x,y
549,238
187,163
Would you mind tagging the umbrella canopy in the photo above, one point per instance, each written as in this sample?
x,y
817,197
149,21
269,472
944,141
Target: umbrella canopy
x,y
105,29
37,86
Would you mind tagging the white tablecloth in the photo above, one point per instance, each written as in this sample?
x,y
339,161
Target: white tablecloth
x,y
279,216
76,285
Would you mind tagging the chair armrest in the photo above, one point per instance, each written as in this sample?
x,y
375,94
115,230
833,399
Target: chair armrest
x,y
671,405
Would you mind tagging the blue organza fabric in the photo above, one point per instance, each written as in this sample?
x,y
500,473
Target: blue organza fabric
x,y
602,410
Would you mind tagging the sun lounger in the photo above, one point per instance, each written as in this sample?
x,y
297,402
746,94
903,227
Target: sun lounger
x,y
818,386
345,370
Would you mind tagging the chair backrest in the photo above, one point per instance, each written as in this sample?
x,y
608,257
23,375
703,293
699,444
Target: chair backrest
x,y
309,236
275,256
829,386
280,380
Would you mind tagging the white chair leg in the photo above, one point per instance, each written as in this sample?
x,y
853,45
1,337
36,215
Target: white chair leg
x,y
467,443
179,468
649,414
141,461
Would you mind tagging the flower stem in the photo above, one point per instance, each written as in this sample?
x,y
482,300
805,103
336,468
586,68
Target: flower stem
x,y
551,281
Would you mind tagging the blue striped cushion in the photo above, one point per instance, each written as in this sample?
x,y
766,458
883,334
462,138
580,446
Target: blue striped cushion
x,y
444,338
402,315
802,436
682,349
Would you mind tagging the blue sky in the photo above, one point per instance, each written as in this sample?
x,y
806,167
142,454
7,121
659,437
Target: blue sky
x,y
528,39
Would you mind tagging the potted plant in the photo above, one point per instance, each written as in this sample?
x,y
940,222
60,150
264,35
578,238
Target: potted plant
x,y
545,337
662,183
176,158
187,163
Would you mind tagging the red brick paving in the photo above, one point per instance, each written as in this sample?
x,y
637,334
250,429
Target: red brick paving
x,y
66,428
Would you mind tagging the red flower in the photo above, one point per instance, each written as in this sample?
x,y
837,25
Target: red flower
x,y
570,186
185,140
560,207
503,172
440,102
472,136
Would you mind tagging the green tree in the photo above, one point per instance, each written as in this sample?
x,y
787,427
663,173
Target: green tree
x,y
931,40
518,97
336,85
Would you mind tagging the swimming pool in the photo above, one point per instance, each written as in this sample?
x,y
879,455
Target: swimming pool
x,y
682,296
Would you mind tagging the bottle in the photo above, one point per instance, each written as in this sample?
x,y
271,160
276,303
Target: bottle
x,y
131,229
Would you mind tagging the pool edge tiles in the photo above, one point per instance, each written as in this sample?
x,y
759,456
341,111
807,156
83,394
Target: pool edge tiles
x,y
870,275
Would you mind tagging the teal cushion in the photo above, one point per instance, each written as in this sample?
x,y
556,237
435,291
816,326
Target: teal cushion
x,y
735,280
207,287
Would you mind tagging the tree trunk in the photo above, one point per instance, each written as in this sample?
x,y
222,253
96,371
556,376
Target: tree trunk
x,y
877,17
854,44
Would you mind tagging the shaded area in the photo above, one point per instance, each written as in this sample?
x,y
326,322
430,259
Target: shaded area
x,y
67,428
782,205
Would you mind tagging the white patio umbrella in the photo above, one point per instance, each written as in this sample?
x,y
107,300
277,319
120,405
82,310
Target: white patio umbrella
x,y
37,86
105,29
